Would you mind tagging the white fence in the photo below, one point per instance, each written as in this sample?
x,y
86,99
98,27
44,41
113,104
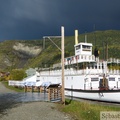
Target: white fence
x,y
16,83
28,83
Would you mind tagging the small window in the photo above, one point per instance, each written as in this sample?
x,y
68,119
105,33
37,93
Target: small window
x,y
111,79
86,48
37,80
78,47
94,79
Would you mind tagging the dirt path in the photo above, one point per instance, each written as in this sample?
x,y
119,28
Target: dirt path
x,y
3,89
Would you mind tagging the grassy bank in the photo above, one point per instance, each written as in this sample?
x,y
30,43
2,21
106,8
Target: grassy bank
x,y
86,110
17,89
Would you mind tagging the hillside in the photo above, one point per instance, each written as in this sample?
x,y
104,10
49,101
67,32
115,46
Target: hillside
x,y
15,53
30,53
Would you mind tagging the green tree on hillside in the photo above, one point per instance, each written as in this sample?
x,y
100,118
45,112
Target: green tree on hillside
x,y
17,74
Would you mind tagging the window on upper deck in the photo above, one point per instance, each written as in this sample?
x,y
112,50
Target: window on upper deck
x,y
78,47
86,48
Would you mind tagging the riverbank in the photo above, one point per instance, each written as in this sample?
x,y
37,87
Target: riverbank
x,y
30,110
12,88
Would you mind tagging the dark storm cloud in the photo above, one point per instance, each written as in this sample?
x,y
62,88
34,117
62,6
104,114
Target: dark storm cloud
x,y
32,19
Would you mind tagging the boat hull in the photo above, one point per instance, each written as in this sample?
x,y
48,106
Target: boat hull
x,y
105,95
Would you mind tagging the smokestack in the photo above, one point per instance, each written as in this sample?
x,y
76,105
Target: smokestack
x,y
76,37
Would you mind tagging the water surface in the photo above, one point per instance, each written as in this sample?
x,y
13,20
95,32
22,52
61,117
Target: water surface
x,y
9,100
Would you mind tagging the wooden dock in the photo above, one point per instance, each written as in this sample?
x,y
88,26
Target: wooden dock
x,y
54,91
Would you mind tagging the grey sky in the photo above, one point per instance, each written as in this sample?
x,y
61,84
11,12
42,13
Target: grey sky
x,y
32,19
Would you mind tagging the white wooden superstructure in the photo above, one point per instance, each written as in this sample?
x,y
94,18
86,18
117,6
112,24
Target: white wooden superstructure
x,y
83,52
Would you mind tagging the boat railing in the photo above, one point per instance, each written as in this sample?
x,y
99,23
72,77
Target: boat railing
x,y
114,72
79,58
113,60
71,71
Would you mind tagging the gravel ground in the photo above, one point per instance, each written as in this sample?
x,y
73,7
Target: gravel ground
x,y
35,111
32,110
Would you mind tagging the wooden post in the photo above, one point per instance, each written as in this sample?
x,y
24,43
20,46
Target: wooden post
x,y
25,88
38,88
32,89
49,94
62,61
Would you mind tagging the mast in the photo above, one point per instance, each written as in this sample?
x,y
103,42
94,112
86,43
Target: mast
x,y
85,37
94,36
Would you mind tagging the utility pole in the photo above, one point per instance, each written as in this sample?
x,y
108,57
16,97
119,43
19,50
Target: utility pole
x,y
62,61
62,57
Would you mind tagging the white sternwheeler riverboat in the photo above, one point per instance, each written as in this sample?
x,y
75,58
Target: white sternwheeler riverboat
x,y
85,76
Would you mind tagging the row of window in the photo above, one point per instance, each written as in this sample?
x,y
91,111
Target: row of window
x,y
84,47
110,79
